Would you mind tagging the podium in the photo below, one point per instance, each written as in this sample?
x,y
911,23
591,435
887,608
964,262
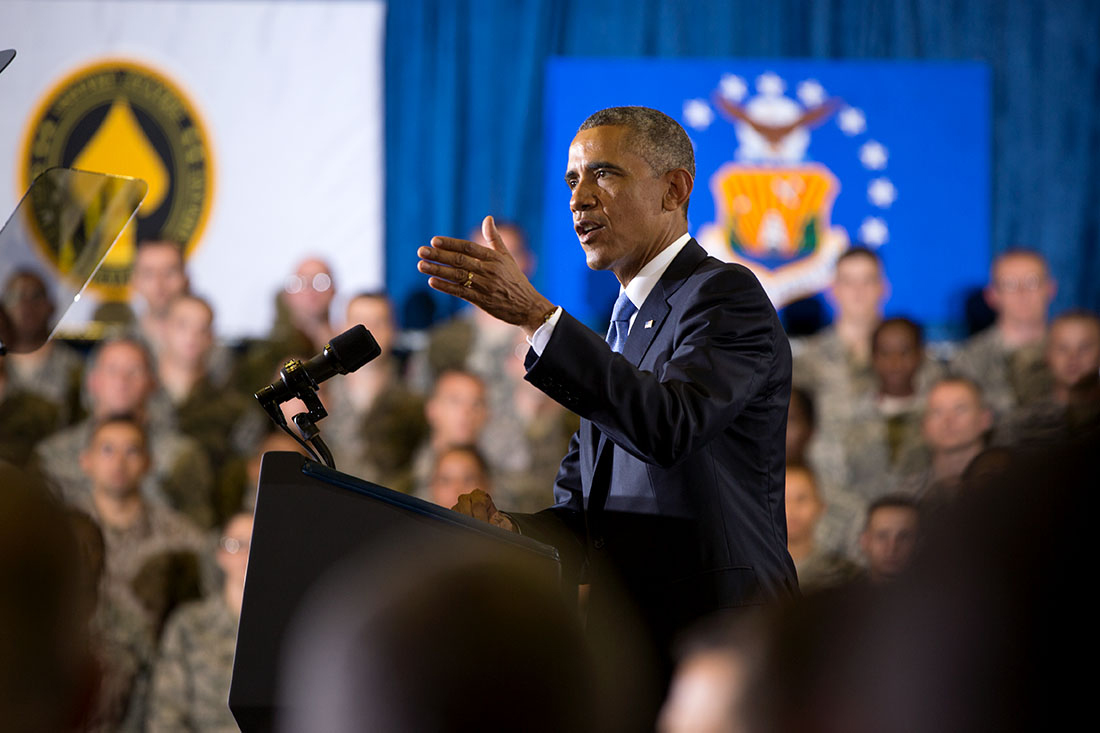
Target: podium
x,y
310,519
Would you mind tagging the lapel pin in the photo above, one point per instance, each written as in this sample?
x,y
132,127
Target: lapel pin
x,y
649,324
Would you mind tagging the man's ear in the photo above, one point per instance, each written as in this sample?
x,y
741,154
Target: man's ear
x,y
678,189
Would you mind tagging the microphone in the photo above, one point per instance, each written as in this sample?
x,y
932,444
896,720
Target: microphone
x,y
345,353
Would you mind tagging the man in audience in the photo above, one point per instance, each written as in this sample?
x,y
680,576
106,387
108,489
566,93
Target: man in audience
x,y
222,421
195,664
886,421
120,379
456,412
1006,358
955,429
302,323
817,566
458,470
1073,358
158,278
374,422
135,530
890,537
306,300
49,369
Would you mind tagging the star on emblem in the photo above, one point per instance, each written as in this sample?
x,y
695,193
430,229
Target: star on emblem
x,y
811,93
698,114
873,232
873,155
881,192
733,87
851,121
770,84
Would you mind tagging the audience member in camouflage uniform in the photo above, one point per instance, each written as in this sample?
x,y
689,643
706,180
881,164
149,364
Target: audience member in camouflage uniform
x,y
1073,359
195,664
456,412
25,419
301,328
817,566
120,380
224,422
834,365
886,422
1006,359
45,368
890,536
121,639
374,423
838,529
135,530
955,427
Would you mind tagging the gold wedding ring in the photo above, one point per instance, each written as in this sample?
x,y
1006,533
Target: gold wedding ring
x,y
469,279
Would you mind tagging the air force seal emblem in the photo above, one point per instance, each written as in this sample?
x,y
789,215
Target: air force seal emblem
x,y
773,202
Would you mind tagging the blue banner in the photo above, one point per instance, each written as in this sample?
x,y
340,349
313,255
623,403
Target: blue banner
x,y
795,162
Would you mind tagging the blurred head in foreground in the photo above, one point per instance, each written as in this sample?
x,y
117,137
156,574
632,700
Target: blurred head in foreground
x,y
46,678
439,637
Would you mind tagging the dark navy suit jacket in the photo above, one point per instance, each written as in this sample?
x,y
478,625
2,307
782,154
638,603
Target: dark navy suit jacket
x,y
674,482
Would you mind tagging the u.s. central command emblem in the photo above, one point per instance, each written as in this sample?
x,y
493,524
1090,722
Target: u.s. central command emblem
x,y
124,118
772,206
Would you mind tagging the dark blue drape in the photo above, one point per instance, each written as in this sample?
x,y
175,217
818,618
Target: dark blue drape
x,y
464,102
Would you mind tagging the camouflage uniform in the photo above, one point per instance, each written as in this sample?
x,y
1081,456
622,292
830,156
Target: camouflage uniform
x,y
875,441
840,384
181,476
1008,377
122,642
224,422
194,669
57,380
378,445
25,420
839,527
824,569
160,560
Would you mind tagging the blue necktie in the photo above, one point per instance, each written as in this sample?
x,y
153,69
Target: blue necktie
x,y
620,322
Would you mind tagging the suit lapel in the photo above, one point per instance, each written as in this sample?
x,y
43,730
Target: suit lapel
x,y
654,312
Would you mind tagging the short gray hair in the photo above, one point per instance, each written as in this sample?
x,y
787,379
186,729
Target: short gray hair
x,y
656,137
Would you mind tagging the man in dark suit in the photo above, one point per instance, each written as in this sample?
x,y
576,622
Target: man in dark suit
x,y
674,483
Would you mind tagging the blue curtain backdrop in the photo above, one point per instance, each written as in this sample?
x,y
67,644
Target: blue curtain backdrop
x,y
464,102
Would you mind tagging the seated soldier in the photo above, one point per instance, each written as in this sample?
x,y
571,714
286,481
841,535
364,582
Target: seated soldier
x,y
817,566
1006,359
195,664
456,413
842,520
458,470
955,428
886,422
225,423
135,530
120,379
302,322
120,635
50,369
835,366
1072,356
890,537
374,423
